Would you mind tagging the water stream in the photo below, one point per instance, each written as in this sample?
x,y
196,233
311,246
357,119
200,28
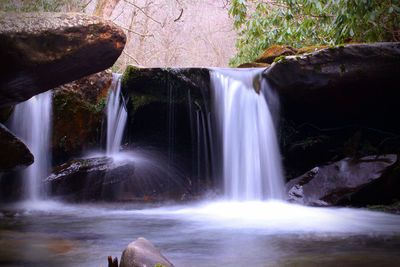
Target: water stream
x,y
116,117
31,122
252,167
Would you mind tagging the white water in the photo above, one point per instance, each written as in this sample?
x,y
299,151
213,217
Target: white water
x,y
252,167
116,117
31,122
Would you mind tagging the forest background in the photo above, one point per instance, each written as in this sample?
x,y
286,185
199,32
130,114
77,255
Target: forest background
x,y
166,33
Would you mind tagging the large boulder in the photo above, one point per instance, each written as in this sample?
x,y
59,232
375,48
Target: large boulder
x,y
340,182
339,85
78,112
136,177
141,253
13,152
39,51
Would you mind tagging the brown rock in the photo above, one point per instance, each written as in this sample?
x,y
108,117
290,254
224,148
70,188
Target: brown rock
x,y
254,65
142,253
78,111
275,51
310,49
39,51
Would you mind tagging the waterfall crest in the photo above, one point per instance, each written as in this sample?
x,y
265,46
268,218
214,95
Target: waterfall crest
x,y
116,117
31,122
251,162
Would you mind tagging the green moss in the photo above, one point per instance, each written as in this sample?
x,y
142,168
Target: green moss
x,y
282,59
131,72
342,68
100,105
317,68
141,100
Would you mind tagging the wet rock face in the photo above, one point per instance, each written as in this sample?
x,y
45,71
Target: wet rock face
x,y
342,181
39,51
136,178
339,85
162,106
13,152
78,112
142,253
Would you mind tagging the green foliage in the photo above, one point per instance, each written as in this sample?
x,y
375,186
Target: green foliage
x,y
39,5
159,265
100,105
300,23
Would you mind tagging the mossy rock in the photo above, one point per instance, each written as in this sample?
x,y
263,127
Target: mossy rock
x,y
78,111
254,65
310,49
275,51
143,86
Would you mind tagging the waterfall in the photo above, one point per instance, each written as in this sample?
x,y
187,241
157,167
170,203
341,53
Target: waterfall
x,y
116,116
31,122
251,164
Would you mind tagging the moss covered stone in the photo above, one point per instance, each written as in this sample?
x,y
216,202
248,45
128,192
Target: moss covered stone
x,y
275,51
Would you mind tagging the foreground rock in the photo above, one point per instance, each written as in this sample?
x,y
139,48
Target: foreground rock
x,y
338,85
39,51
137,177
141,253
13,152
78,112
340,182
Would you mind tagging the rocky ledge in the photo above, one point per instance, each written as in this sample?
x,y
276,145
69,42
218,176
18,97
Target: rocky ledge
x,y
342,84
39,51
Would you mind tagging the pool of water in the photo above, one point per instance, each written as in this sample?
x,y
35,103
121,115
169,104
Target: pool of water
x,y
214,233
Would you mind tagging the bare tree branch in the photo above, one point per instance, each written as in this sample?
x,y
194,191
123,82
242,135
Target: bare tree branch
x,y
130,56
137,33
144,12
180,15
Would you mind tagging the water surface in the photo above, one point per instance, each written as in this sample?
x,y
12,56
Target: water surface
x,y
203,234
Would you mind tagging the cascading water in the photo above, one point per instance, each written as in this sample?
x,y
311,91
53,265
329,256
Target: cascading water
x,y
31,121
252,167
116,117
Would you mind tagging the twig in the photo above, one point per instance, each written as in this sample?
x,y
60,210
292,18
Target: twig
x,y
134,59
180,15
137,33
144,12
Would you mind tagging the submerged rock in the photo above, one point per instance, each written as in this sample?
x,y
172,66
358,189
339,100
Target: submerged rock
x,y
13,152
343,84
340,182
133,178
78,112
39,51
141,253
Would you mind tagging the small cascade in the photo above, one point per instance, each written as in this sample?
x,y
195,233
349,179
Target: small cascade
x,y
116,116
251,163
31,122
